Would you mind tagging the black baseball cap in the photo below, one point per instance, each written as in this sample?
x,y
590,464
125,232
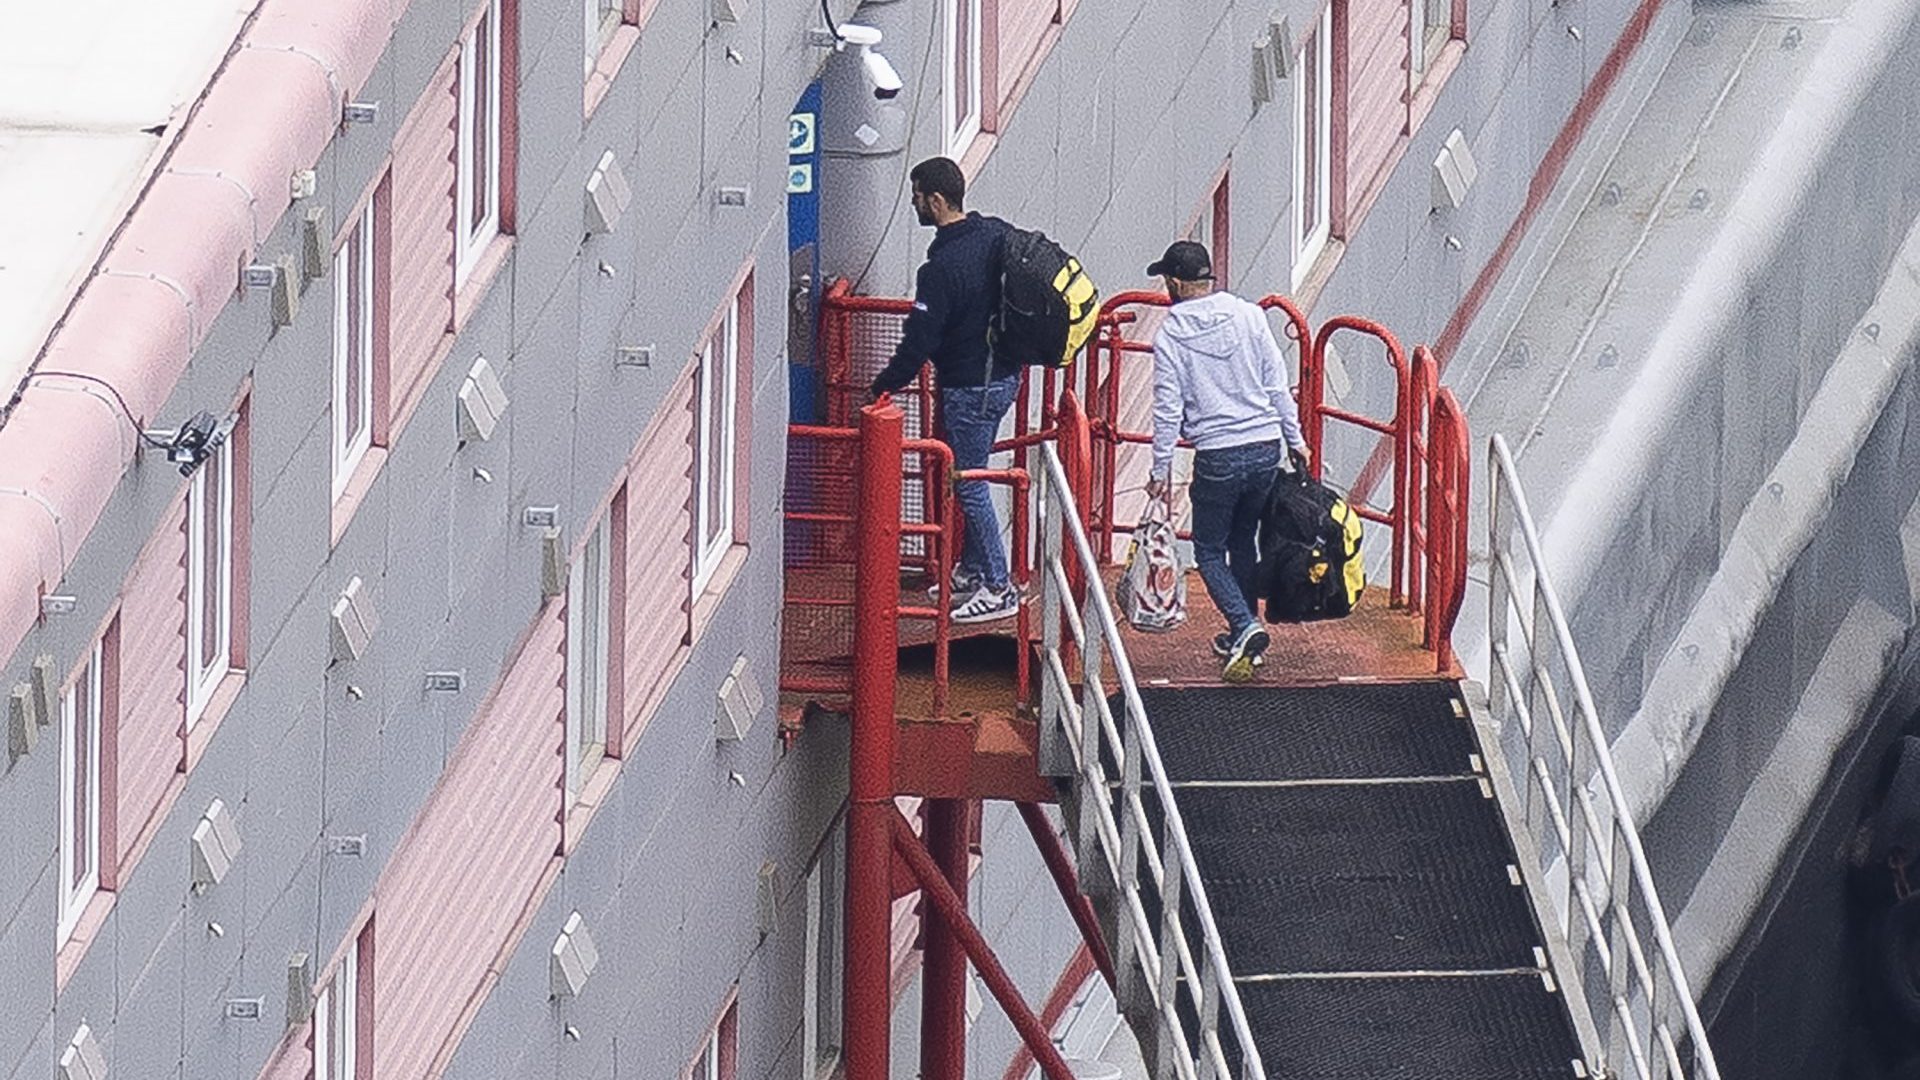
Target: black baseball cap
x,y
1185,260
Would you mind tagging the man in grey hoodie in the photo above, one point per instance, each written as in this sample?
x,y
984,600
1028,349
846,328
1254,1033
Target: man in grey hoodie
x,y
1220,379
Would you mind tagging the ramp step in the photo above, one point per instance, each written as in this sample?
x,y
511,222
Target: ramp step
x,y
1468,1027
1310,733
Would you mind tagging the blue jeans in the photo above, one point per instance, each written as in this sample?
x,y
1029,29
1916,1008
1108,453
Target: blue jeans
x,y
972,415
1229,494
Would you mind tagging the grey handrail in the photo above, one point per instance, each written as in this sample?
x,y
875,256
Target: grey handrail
x,y
1525,691
1115,846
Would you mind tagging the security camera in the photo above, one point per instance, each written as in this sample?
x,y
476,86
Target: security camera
x,y
877,69
193,442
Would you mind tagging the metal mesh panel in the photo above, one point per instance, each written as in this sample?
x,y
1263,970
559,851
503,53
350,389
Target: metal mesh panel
x,y
817,630
870,338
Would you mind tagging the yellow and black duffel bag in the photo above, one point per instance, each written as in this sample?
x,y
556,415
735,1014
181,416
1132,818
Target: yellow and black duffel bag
x,y
1310,566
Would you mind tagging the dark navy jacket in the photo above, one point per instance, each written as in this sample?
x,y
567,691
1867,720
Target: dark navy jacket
x,y
956,294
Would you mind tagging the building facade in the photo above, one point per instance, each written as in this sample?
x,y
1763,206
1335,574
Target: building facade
x,y
428,728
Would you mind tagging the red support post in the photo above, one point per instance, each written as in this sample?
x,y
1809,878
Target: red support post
x,y
935,891
866,1020
943,965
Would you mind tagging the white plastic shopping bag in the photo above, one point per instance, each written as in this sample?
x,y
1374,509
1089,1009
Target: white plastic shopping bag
x,y
1153,590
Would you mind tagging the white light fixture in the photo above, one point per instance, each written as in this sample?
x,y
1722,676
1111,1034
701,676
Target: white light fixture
x,y
215,844
737,702
573,958
354,621
1454,172
82,1059
481,402
607,195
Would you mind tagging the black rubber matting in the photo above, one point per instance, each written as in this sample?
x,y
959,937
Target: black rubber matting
x,y
1482,1027
1344,732
1357,878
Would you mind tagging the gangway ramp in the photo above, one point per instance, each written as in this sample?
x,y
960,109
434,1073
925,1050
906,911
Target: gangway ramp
x,y
1368,899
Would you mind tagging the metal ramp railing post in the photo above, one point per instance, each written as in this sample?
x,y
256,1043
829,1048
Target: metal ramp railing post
x,y
1574,815
1115,840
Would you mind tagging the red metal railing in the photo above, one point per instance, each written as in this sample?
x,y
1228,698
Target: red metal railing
x,y
1315,412
1449,473
858,335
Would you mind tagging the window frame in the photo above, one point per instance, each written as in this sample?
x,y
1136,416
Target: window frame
x,y
1429,28
74,896
334,1057
1315,63
589,681
960,129
821,990
719,1054
204,672
601,20
350,448
713,527
470,240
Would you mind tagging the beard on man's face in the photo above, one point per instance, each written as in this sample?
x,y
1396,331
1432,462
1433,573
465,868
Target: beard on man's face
x,y
924,212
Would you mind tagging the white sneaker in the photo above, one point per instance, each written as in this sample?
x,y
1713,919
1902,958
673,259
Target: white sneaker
x,y
988,605
1246,652
964,584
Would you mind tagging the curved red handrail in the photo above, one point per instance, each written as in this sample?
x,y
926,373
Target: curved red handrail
x,y
1315,412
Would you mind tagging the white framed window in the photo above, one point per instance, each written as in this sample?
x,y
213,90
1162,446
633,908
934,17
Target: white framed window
x,y
336,1021
209,578
960,92
1429,25
79,793
588,598
716,441
353,311
1312,147
602,19
826,949
477,143
719,1052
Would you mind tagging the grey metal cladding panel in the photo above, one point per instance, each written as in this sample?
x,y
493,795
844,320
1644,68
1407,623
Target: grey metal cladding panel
x,y
547,247
414,593
541,384
292,385
551,28
33,1057
282,809
283,924
549,131
212,967
26,965
211,958
90,992
151,898
1556,69
361,151
147,1037
291,524
421,42
218,1047
411,748
29,845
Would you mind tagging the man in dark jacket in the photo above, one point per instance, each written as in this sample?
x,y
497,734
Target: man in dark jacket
x,y
955,297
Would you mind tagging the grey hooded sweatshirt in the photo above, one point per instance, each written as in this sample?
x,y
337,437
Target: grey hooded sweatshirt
x,y
1219,379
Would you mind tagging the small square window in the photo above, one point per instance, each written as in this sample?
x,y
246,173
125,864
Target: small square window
x,y
477,142
209,578
716,436
960,100
719,1053
1312,147
337,1020
353,342
602,19
588,600
821,995
80,708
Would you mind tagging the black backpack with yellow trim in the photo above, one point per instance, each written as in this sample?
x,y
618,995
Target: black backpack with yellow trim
x,y
1310,566
1048,304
